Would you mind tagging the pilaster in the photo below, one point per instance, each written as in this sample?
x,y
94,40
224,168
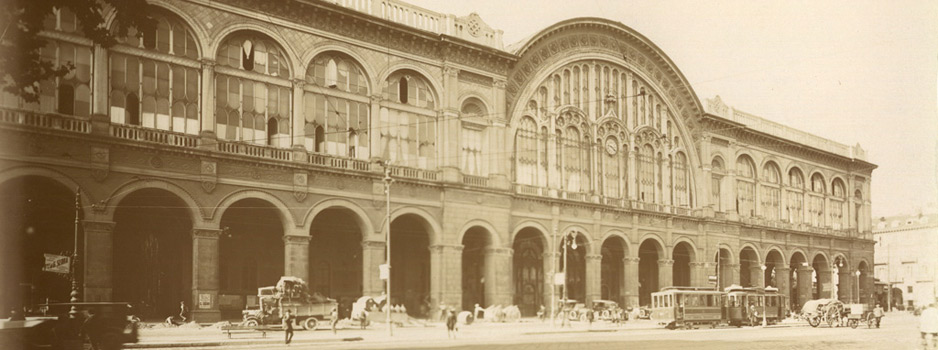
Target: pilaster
x,y
446,274
699,274
631,281
805,284
298,123
205,274
373,255
498,277
296,256
665,273
97,260
782,281
593,277
207,135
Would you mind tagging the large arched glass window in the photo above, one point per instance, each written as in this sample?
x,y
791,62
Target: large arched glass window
x,y
155,79
251,89
471,139
816,207
681,181
795,196
838,204
337,107
527,152
646,174
70,94
572,160
771,191
745,186
408,121
611,163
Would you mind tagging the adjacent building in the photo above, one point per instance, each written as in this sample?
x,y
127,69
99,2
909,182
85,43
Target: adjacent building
x,y
905,258
243,140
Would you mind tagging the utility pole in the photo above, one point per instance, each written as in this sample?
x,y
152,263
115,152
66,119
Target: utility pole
x,y
387,206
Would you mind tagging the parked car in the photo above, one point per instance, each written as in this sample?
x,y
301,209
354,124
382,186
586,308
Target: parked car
x,y
289,293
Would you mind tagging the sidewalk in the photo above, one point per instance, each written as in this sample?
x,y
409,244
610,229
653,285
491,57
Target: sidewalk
x,y
190,336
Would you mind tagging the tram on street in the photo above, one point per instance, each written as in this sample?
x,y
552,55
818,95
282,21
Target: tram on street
x,y
687,307
745,306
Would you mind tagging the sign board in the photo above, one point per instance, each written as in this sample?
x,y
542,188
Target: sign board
x,y
383,271
56,263
712,278
205,301
559,278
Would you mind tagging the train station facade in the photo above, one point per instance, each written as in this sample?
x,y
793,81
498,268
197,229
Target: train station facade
x,y
240,141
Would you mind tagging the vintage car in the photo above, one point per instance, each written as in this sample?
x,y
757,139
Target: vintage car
x,y
290,293
604,309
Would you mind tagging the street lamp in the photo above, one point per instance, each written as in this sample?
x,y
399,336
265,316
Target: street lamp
x,y
73,312
569,239
764,323
858,286
387,193
835,268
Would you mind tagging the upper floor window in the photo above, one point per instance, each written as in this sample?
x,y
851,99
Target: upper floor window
x,y
745,187
171,36
337,123
338,71
61,20
681,180
408,136
817,184
795,178
410,88
252,52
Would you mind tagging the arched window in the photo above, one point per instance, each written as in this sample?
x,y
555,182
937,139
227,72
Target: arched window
x,y
251,88
336,99
408,135
155,80
816,204
857,206
771,191
795,196
838,204
610,168
745,186
471,140
681,181
527,152
716,183
646,172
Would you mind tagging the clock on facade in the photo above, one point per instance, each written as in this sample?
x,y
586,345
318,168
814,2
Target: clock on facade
x,y
611,147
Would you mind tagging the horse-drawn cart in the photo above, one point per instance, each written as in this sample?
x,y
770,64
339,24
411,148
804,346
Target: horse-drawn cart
x,y
860,313
822,311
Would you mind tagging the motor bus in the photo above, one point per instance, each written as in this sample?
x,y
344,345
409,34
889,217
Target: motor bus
x,y
687,307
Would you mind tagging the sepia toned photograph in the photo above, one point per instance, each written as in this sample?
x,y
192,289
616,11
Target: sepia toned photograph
x,y
432,174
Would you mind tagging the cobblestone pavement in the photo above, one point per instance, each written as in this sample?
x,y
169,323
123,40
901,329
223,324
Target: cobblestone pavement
x,y
899,332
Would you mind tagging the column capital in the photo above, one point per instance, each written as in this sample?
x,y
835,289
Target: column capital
x,y
437,248
298,83
665,262
376,98
500,251
373,245
594,257
295,239
206,233
208,62
631,260
500,82
805,268
699,264
782,268
107,226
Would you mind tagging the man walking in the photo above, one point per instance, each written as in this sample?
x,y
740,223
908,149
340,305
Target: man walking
x,y
878,313
288,319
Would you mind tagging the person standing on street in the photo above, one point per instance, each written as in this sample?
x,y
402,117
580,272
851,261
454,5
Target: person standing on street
x,y
288,319
928,325
450,316
878,313
335,319
183,311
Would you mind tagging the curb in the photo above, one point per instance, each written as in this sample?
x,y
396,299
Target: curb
x,y
234,343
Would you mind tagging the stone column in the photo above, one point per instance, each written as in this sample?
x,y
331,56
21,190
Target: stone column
x,y
446,274
846,284
825,282
665,273
551,267
375,148
373,255
498,276
782,282
631,281
97,260
731,274
804,284
593,277
207,135
205,274
699,274
296,256
99,83
756,276
631,176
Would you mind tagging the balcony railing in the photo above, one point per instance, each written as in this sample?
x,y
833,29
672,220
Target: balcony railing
x,y
255,150
474,180
45,121
530,190
136,133
681,211
336,162
575,196
415,173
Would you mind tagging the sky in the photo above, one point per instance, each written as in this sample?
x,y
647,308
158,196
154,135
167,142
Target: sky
x,y
850,71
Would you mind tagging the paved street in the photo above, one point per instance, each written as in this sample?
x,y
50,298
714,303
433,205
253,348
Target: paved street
x,y
899,332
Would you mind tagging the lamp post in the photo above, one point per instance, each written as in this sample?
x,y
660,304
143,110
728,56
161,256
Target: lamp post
x,y
764,323
387,193
568,239
858,286
73,312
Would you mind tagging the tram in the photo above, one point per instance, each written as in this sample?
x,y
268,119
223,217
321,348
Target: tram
x,y
690,307
745,306
687,307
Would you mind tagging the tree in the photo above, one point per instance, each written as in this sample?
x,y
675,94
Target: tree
x,y
21,64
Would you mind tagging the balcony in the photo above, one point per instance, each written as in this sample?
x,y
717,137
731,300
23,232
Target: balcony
x,y
45,121
415,173
251,150
335,162
473,180
136,133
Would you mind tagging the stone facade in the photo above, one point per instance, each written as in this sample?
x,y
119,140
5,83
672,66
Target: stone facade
x,y
586,131
905,259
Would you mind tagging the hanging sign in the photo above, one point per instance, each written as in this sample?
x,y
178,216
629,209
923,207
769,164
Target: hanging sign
x,y
383,271
56,263
559,278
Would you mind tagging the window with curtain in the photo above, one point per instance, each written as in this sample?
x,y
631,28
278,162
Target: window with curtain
x,y
771,192
572,155
408,135
158,83
745,186
681,193
337,107
816,209
472,152
70,94
252,93
646,174
838,204
796,196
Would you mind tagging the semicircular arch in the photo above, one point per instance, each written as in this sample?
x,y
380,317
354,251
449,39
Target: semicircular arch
x,y
283,212
196,210
362,219
495,240
288,50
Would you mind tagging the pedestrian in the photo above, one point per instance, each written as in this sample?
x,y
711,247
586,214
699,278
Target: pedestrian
x,y
928,326
542,313
363,318
92,329
335,319
183,311
450,323
590,315
288,319
878,313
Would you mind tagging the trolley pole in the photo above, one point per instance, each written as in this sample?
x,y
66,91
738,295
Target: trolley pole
x,y
387,206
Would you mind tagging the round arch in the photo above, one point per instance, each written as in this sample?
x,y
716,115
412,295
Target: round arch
x,y
799,252
545,238
370,72
747,155
728,249
626,245
430,223
197,211
778,250
659,244
477,98
495,239
87,199
822,254
754,249
288,50
581,232
690,244
362,218
399,66
284,213
201,36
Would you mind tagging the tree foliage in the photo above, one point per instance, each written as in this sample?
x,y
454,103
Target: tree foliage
x,y
21,63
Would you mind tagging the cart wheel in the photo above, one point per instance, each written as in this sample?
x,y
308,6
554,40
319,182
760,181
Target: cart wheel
x,y
814,321
853,323
251,322
310,324
830,322
869,321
